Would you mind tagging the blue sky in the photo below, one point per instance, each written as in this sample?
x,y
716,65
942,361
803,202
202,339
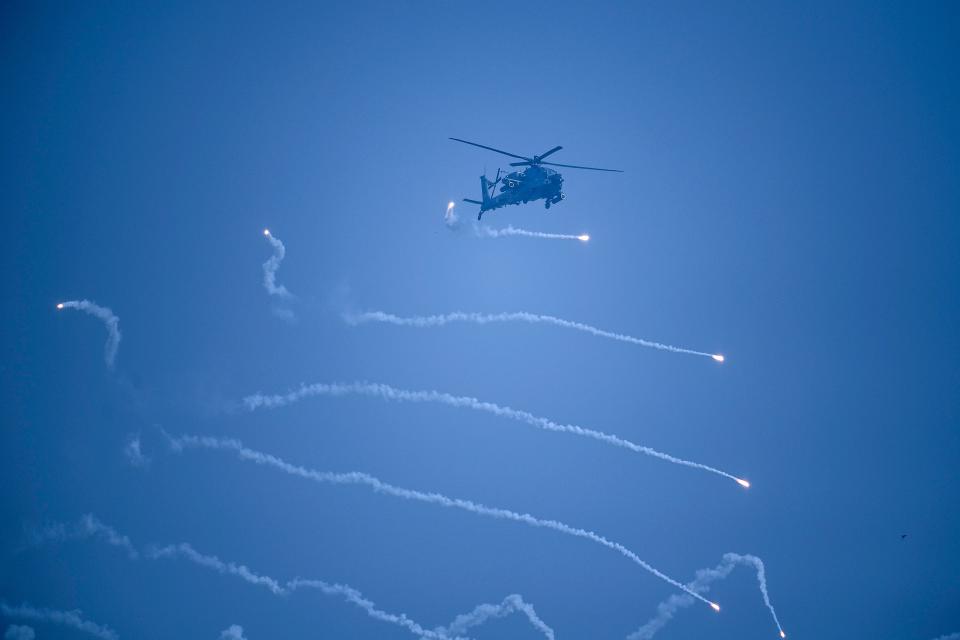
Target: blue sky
x,y
789,199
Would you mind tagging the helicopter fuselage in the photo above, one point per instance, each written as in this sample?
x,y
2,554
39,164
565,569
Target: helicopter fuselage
x,y
519,187
536,182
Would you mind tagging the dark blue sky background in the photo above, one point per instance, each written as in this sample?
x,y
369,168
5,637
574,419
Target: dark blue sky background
x,y
790,199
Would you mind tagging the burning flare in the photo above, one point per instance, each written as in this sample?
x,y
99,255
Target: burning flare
x,y
450,217
272,264
717,357
109,319
386,392
743,483
715,606
510,230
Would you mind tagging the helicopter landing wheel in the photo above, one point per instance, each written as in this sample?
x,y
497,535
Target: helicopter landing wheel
x,y
546,205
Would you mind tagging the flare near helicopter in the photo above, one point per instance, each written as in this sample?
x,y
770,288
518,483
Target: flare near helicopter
x,y
536,182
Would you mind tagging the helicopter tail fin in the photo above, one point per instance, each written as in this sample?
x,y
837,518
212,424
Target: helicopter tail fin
x,y
485,190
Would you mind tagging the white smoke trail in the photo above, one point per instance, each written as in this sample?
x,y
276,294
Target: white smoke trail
x,y
701,584
450,217
73,619
356,477
233,632
272,264
184,550
111,321
387,392
484,612
90,526
20,632
87,527
519,316
355,597
59,532
133,452
949,636
510,230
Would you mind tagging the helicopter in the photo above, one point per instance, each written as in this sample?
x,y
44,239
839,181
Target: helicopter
x,y
533,183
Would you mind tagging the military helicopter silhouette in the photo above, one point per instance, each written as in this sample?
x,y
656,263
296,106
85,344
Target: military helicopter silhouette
x,y
533,183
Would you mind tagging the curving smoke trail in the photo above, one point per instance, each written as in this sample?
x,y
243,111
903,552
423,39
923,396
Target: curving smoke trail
x,y
233,632
387,392
111,321
241,571
484,612
510,230
348,593
90,527
353,596
272,264
73,619
377,485
518,316
185,550
667,609
450,217
60,532
20,632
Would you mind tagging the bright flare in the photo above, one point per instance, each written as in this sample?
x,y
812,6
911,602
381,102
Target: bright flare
x,y
743,483
783,635
717,357
266,232
510,230
451,204
59,305
715,606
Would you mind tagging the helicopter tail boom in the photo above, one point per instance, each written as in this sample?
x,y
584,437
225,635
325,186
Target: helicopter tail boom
x,y
487,201
485,191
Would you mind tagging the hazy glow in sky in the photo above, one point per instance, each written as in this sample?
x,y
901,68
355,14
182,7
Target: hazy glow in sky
x,y
789,200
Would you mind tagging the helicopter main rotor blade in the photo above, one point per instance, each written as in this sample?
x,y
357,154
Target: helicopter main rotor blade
x,y
574,166
554,150
526,163
483,146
